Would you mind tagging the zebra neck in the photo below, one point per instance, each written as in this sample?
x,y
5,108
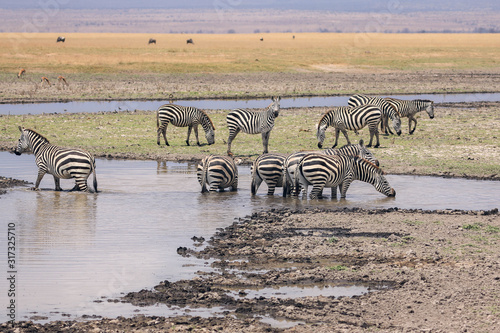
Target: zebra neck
x,y
38,146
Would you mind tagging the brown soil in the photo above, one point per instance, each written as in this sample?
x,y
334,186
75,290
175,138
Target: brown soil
x,y
332,80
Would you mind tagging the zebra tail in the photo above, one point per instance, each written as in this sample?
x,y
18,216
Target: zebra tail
x,y
204,175
95,180
296,187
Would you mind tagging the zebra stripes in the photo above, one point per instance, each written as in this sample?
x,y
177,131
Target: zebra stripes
x,y
59,162
182,116
320,171
345,118
293,160
388,111
253,122
218,172
410,108
267,168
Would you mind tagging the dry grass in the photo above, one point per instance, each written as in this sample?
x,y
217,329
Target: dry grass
x,y
240,53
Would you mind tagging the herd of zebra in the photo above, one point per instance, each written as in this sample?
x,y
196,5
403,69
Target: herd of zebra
x,y
294,172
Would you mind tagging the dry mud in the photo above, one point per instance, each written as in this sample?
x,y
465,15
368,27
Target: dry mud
x,y
440,271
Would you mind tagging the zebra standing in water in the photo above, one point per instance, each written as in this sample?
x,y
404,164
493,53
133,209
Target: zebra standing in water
x,y
253,122
182,116
218,172
410,108
345,118
267,168
292,160
322,171
388,111
59,162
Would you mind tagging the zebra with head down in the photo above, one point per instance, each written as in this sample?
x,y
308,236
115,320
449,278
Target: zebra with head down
x,y
411,108
218,172
320,171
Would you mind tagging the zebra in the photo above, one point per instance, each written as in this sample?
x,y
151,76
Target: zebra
x,y
152,41
292,160
60,162
253,122
267,168
345,118
183,116
410,108
189,41
218,172
322,171
388,111
61,39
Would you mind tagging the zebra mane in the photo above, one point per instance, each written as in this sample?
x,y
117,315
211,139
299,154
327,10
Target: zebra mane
x,y
423,100
210,120
323,117
377,169
39,135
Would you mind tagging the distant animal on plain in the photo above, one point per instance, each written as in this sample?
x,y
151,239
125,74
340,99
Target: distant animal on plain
x,y
261,39
152,41
61,39
44,80
21,73
62,80
189,41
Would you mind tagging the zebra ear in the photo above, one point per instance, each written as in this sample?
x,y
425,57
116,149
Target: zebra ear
x,y
361,142
20,129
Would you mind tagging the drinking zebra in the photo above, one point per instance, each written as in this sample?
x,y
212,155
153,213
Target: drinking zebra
x,y
320,171
218,172
345,118
267,168
253,122
182,116
60,162
410,108
290,163
388,111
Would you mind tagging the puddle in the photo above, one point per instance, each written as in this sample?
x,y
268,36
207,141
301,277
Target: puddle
x,y
74,248
207,104
326,290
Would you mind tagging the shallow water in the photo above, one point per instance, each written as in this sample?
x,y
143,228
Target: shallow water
x,y
75,248
93,106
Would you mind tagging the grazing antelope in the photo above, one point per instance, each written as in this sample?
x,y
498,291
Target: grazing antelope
x,y
21,73
44,80
62,80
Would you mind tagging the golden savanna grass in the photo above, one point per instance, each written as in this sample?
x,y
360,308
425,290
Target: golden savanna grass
x,y
93,53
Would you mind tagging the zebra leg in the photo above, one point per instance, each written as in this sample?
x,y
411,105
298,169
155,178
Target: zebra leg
x,y
344,187
334,192
189,134
337,132
410,119
57,181
345,135
232,135
316,192
164,132
196,134
41,173
271,186
265,141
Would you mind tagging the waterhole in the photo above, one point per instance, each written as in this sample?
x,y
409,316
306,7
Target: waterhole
x,y
75,248
210,104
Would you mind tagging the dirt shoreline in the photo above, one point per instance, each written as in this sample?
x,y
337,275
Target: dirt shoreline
x,y
332,81
441,268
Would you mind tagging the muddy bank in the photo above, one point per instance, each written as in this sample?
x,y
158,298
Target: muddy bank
x,y
6,183
440,272
247,85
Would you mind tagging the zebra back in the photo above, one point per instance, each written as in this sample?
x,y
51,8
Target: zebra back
x,y
218,171
358,149
408,108
254,122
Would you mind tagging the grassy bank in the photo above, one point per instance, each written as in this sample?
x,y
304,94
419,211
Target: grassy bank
x,y
462,140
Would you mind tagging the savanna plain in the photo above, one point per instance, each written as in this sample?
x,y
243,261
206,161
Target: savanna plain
x,y
442,266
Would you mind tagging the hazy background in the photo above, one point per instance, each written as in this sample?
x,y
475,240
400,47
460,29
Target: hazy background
x,y
257,16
